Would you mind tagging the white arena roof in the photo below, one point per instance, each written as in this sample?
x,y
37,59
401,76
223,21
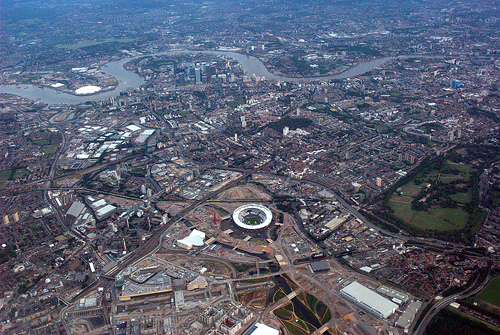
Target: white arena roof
x,y
255,210
87,90
369,299
262,329
195,238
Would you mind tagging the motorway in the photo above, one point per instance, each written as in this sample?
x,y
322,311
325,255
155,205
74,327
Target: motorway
x,y
443,303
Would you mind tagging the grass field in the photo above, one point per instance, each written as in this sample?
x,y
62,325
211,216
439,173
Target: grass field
x,y
39,142
259,241
410,189
462,198
252,221
236,103
20,173
92,43
490,294
51,150
441,219
5,174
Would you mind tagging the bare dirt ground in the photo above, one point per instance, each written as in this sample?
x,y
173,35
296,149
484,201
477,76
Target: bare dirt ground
x,y
170,207
245,192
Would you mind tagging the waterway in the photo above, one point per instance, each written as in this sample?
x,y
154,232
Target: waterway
x,y
298,305
129,80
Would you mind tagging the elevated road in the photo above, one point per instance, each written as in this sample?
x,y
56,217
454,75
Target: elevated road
x,y
445,302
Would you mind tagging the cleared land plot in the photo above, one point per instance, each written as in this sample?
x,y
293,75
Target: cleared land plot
x,y
245,192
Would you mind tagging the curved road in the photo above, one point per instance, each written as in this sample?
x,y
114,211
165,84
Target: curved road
x,y
441,304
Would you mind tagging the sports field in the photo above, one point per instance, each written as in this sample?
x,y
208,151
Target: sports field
x,y
252,221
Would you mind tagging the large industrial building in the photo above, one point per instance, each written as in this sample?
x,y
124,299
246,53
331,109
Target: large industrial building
x,y
369,300
252,217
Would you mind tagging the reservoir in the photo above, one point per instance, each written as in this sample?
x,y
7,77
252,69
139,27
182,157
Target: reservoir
x,y
129,80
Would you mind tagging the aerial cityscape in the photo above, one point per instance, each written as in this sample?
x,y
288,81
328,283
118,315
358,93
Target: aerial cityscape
x,y
250,167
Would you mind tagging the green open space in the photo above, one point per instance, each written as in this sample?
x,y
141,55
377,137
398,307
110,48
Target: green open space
x,y
39,142
138,171
292,319
444,215
291,123
462,198
453,321
51,150
491,293
440,219
20,173
236,103
283,314
410,189
92,43
5,174
278,295
326,317
259,241
293,328
311,301
157,62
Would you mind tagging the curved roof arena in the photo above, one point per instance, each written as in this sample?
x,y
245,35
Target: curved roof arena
x,y
253,210
87,90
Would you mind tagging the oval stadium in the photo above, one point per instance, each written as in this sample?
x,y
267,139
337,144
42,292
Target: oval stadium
x,y
252,217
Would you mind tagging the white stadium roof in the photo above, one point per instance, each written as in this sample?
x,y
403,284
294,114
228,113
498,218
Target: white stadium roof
x,y
265,215
369,299
87,90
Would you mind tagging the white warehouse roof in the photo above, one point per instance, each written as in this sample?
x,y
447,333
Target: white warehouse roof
x,y
105,210
99,203
369,299
76,208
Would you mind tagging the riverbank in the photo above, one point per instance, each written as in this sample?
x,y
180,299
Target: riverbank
x,y
130,80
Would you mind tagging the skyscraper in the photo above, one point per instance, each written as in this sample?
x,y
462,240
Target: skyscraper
x,y
197,76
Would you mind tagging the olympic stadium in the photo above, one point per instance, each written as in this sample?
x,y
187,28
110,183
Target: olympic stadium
x,y
252,217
